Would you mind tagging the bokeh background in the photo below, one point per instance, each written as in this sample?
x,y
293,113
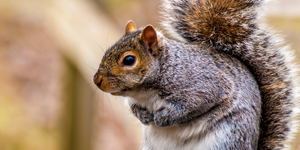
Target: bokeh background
x,y
49,51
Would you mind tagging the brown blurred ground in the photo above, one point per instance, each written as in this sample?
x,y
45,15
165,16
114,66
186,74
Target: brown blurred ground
x,y
49,51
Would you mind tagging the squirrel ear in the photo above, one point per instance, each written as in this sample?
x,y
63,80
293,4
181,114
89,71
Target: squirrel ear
x,y
149,38
130,27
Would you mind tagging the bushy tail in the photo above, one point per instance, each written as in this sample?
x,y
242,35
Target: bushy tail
x,y
232,26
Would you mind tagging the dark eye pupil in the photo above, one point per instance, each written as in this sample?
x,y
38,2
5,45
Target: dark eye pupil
x,y
129,60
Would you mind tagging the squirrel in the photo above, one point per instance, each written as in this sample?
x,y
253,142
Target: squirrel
x,y
223,81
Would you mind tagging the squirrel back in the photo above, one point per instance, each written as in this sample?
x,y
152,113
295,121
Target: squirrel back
x,y
232,26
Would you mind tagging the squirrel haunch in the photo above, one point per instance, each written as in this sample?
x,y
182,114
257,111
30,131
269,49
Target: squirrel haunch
x,y
232,26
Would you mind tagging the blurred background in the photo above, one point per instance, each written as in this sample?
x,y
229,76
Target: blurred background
x,y
49,52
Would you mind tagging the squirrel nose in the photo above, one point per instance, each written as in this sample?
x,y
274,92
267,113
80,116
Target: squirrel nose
x,y
97,80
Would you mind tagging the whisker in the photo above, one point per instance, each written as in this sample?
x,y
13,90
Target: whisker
x,y
97,101
111,108
98,45
107,37
93,94
98,98
88,64
90,84
102,109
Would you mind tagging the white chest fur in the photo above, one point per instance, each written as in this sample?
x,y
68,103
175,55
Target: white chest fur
x,y
178,137
193,136
147,99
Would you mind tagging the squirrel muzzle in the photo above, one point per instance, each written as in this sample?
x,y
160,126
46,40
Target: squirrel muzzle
x,y
98,80
105,84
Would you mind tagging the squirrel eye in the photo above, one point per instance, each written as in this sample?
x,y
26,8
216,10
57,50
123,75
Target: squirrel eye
x,y
129,60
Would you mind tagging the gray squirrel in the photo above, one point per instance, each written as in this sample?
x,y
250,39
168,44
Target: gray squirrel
x,y
223,82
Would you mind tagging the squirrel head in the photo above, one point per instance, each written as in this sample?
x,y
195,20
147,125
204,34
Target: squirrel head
x,y
127,64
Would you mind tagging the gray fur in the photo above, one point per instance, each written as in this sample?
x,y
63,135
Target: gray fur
x,y
219,90
199,93
233,27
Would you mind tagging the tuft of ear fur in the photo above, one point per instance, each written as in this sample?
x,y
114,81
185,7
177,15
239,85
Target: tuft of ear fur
x,y
149,38
130,27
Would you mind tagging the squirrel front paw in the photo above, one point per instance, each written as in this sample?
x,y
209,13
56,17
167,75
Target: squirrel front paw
x,y
142,114
162,118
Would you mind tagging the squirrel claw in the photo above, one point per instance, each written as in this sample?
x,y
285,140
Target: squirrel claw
x,y
161,118
143,114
